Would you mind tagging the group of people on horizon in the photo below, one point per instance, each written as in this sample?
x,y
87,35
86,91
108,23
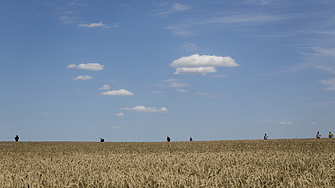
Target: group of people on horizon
x,y
318,135
168,139
330,135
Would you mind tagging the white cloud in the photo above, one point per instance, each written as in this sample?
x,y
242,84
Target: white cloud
x,y
330,83
91,66
196,64
204,61
118,92
100,24
179,7
83,77
189,46
171,80
71,66
208,95
320,58
178,84
182,90
119,114
146,109
105,87
79,4
116,25
252,18
285,123
174,8
194,71
157,91
115,127
180,31
87,66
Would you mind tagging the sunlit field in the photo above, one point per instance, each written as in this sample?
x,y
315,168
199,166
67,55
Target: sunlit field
x,y
242,163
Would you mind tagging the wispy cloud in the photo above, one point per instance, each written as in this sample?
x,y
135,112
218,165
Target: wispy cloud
x,y
182,90
87,77
330,83
119,92
285,123
158,92
69,13
171,80
167,9
209,95
194,71
100,24
87,66
251,18
189,47
115,127
178,84
180,30
79,4
146,109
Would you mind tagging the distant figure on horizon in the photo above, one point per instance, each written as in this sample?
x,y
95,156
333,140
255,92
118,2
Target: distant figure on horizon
x,y
318,135
266,136
191,139
102,140
330,135
168,138
17,138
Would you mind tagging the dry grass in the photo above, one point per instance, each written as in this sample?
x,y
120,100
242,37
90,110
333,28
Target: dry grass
x,y
244,163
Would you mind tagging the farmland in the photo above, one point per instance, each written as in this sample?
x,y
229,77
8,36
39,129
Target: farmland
x,y
240,163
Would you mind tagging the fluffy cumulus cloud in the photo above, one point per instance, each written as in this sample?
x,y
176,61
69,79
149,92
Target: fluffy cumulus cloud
x,y
105,87
118,92
87,66
100,24
146,109
119,114
83,77
201,64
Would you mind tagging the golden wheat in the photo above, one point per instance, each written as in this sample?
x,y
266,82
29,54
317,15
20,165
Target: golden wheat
x,y
243,163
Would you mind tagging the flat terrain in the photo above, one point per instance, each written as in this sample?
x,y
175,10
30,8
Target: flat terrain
x,y
241,163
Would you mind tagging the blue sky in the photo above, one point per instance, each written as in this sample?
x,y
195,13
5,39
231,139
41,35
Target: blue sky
x,y
144,70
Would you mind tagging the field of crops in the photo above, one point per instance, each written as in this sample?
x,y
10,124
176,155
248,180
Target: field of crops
x,y
242,163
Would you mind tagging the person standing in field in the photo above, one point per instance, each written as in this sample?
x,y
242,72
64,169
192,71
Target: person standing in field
x,y
330,135
318,135
168,138
191,139
266,136
16,138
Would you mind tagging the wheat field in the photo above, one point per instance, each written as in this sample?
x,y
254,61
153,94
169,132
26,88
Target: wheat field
x,y
241,163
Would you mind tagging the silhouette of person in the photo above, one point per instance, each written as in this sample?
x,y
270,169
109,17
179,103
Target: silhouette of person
x,y
191,139
168,139
330,135
102,140
318,135
266,136
17,138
